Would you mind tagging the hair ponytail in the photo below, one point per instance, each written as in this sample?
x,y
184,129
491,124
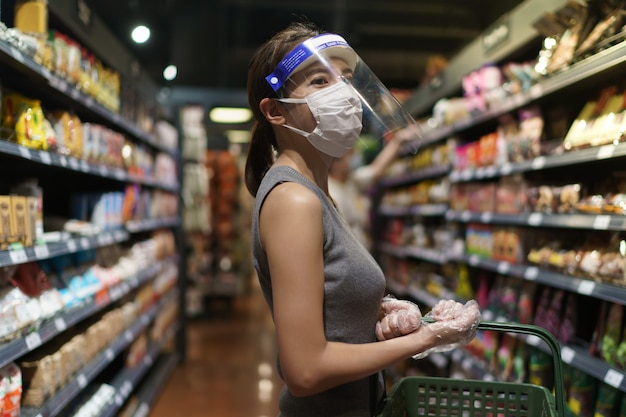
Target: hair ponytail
x,y
261,153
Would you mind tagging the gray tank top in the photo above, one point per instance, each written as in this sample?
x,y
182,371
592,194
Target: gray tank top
x,y
354,285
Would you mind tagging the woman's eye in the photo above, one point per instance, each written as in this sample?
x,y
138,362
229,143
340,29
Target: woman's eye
x,y
319,81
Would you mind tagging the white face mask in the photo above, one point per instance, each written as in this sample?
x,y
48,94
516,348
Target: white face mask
x,y
337,111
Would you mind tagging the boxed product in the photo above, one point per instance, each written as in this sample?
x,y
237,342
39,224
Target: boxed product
x,y
19,219
511,195
6,223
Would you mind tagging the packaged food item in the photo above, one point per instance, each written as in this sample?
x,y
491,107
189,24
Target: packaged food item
x,y
12,381
607,401
612,334
567,329
31,16
582,393
604,28
540,368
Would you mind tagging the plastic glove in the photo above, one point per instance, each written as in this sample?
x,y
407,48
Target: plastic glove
x,y
398,317
454,324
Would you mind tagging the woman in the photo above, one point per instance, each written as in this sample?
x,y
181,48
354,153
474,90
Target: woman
x,y
323,288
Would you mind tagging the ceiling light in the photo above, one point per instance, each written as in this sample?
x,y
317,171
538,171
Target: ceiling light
x,y
170,72
230,115
140,34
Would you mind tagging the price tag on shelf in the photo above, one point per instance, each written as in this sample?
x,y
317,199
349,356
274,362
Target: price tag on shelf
x,y
60,324
81,379
103,170
602,222
119,400
63,161
605,152
33,341
536,91
480,173
45,157
491,171
474,260
128,335
506,168
439,360
455,176
84,243
467,364
74,163
538,163
535,219
120,174
18,256
504,268
533,340
567,354
466,174
109,354
586,287
486,217
466,216
488,377
457,355
25,152
614,378
531,273
142,411
147,360
17,55
71,245
41,251
84,166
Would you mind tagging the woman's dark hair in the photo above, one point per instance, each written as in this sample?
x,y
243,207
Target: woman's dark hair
x,y
262,143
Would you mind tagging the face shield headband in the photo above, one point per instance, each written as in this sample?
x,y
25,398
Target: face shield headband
x,y
382,115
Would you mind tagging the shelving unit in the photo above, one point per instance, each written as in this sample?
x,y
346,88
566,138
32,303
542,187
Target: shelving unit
x,y
60,176
578,81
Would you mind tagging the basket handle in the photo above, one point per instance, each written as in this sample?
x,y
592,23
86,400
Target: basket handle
x,y
552,343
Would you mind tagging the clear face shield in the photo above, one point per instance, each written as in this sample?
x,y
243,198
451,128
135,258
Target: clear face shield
x,y
333,99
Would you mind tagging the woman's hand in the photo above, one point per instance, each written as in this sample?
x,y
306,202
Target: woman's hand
x,y
398,318
454,323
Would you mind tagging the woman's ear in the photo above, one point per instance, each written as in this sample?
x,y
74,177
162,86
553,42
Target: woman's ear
x,y
272,111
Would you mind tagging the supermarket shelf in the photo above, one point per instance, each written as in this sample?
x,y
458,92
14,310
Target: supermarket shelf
x,y
429,255
612,57
413,177
129,379
577,157
89,372
79,165
136,226
26,65
580,359
50,328
22,255
414,210
600,290
565,221
154,383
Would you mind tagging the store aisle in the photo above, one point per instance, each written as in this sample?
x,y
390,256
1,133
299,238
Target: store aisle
x,y
230,366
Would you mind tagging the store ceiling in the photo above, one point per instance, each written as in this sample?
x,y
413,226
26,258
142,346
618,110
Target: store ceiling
x,y
211,41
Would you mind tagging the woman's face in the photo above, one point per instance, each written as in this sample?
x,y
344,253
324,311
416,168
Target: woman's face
x,y
313,78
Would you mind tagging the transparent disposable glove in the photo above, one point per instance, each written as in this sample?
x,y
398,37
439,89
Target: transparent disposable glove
x,y
397,318
454,325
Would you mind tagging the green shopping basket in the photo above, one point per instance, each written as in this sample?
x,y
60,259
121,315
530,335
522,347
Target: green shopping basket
x,y
443,397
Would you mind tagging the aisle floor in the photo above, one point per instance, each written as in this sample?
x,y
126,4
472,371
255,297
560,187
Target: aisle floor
x,y
230,365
